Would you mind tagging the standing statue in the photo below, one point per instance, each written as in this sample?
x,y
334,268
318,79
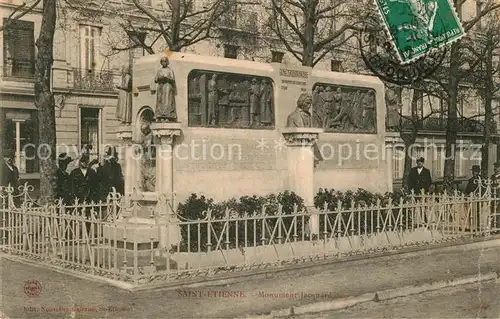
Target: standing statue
x,y
254,102
124,105
213,99
266,102
164,87
301,117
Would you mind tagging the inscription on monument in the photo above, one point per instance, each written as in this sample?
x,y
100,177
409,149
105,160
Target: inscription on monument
x,y
231,100
344,109
295,77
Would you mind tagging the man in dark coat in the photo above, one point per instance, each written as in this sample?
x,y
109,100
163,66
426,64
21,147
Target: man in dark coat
x,y
473,183
110,174
63,179
84,182
420,178
10,173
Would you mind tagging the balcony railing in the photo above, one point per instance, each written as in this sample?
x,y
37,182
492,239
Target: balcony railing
x,y
92,80
434,124
19,68
246,21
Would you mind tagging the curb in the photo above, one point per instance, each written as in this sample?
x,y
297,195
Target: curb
x,y
429,249
376,296
70,272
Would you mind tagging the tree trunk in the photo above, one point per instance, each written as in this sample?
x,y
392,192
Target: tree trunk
x,y
452,122
175,26
309,33
44,102
488,110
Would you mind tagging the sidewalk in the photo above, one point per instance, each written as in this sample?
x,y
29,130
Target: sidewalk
x,y
337,280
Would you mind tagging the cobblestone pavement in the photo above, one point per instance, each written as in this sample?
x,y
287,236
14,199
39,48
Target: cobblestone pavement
x,y
60,293
480,300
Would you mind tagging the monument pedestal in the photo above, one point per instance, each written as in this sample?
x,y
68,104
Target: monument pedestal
x,y
300,142
169,231
147,219
166,133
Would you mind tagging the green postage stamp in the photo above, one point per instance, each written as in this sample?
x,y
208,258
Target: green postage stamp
x,y
417,27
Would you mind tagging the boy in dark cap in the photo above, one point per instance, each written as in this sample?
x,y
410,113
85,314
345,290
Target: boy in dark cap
x,y
419,178
63,179
84,182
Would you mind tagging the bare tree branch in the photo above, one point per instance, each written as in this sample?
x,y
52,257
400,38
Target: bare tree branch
x,y
18,13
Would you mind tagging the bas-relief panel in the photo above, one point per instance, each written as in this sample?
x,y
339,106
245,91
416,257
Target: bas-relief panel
x,y
344,109
230,100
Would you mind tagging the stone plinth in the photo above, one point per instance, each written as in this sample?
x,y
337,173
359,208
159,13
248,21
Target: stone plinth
x,y
131,171
300,142
166,133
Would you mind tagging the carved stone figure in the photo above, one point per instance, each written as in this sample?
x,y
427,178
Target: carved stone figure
x,y
255,93
343,120
317,106
164,87
213,99
328,105
266,102
393,106
124,105
301,117
369,112
148,175
356,116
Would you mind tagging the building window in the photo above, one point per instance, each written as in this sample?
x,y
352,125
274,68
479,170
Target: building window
x,y
459,162
231,51
418,152
19,49
89,48
336,65
90,132
398,163
439,159
20,134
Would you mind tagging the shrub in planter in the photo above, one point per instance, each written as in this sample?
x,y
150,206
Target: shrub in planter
x,y
229,233
364,217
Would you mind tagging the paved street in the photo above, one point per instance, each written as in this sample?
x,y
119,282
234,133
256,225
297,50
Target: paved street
x,y
471,301
60,293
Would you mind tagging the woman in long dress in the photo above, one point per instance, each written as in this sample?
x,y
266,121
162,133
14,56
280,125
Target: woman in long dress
x,y
124,106
164,87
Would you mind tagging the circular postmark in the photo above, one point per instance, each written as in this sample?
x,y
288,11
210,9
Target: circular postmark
x,y
382,56
32,288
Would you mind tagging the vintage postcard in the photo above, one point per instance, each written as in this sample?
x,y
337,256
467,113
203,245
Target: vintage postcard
x,y
215,159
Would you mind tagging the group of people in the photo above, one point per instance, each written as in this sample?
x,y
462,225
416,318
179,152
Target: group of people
x,y
84,183
420,178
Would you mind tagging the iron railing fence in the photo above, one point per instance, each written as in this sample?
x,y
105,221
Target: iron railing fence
x,y
126,240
